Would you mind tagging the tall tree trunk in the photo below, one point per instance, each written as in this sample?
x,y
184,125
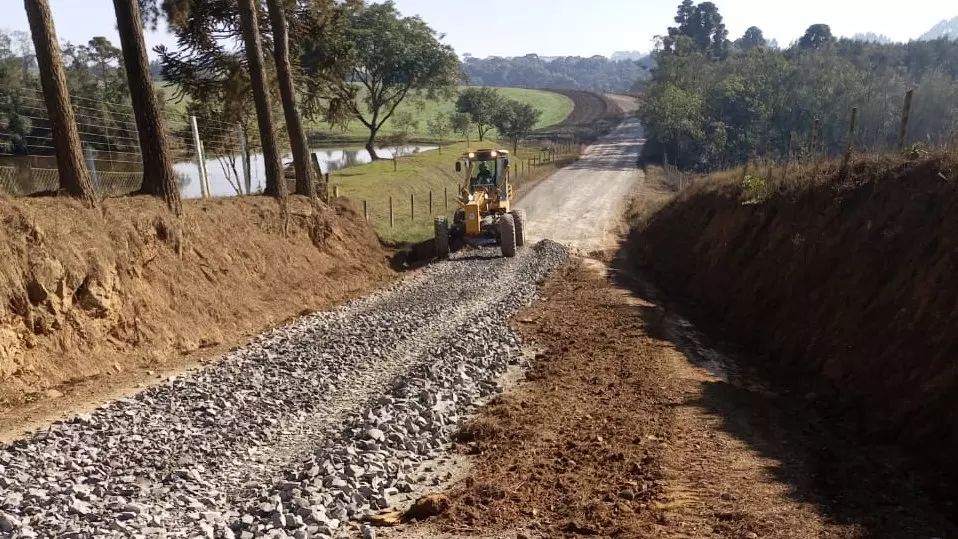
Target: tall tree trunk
x,y
294,124
158,177
275,182
74,177
371,144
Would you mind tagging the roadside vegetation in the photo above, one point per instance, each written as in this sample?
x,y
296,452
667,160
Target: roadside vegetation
x,y
714,103
817,243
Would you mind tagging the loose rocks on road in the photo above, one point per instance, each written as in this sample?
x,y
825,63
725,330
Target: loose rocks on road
x,y
319,422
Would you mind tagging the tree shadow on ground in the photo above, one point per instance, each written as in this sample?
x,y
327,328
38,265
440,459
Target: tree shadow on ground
x,y
822,453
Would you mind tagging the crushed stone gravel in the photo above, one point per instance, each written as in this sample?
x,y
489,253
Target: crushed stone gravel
x,y
306,430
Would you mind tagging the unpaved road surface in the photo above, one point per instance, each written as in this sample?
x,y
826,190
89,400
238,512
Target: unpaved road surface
x,y
316,424
582,204
624,428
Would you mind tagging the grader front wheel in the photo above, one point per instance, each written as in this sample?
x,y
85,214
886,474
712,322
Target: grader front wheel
x,y
507,235
519,216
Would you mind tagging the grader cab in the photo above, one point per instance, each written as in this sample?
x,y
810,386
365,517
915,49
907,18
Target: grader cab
x,y
485,216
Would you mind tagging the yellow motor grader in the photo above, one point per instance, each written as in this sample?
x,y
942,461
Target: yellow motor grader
x,y
485,216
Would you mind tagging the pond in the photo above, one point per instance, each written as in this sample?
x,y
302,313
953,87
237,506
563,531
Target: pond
x,y
222,177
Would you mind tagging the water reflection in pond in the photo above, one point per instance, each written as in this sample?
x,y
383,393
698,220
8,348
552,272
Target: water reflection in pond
x,y
223,172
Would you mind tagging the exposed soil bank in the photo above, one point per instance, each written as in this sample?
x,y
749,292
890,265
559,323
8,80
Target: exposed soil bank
x,y
850,280
99,294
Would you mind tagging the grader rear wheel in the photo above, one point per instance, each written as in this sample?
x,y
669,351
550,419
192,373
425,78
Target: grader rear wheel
x,y
441,227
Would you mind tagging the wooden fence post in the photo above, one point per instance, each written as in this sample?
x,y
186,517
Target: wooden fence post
x,y
365,211
788,158
905,113
445,197
392,216
412,206
336,192
850,142
430,202
813,146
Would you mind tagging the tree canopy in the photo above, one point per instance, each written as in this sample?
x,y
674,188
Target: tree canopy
x,y
391,59
703,26
596,73
816,37
752,38
481,105
704,114
514,121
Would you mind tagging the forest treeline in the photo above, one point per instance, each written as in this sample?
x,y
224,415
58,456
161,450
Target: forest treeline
x,y
712,102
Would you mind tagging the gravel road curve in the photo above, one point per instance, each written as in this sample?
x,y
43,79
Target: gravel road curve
x,y
315,424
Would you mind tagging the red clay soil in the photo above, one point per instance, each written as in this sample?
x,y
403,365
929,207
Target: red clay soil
x,y
851,281
616,433
95,301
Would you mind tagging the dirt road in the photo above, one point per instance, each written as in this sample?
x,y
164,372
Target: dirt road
x,y
313,427
630,423
581,205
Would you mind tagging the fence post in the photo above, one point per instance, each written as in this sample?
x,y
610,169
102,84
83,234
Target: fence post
x,y
197,145
850,142
445,197
788,158
814,143
430,202
905,113
206,172
366,211
336,192
244,154
91,166
392,219
412,206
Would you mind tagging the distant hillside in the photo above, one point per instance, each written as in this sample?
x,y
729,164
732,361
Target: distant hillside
x,y
572,72
627,55
944,29
871,37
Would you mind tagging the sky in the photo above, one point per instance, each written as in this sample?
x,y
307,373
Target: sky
x,y
567,27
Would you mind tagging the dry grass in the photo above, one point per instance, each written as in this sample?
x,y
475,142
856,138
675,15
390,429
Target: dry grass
x,y
89,294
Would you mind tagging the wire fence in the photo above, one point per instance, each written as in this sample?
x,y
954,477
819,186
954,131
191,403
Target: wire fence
x,y
210,158
774,165
401,211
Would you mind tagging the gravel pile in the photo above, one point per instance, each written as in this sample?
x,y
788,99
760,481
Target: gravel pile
x,y
313,424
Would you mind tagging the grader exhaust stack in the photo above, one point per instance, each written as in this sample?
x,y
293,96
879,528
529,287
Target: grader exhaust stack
x,y
485,216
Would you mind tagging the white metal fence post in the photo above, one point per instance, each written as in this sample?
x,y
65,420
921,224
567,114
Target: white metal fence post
x,y
198,146
244,155
206,172
91,166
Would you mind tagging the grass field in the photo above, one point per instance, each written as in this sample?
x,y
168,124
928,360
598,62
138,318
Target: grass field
x,y
416,176
554,107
